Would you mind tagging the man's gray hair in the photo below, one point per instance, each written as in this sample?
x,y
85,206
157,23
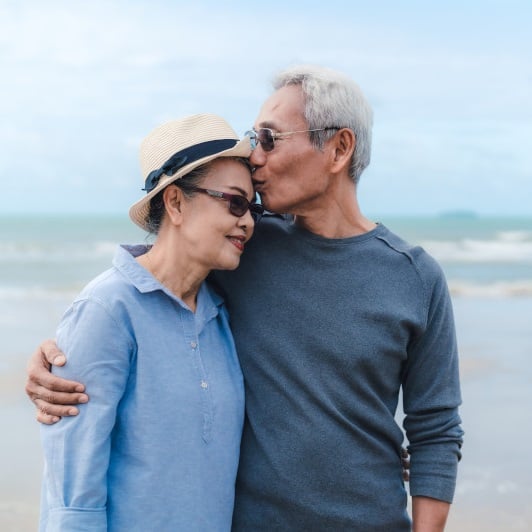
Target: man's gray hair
x,y
333,100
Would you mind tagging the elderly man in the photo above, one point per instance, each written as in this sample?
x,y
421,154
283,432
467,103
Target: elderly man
x,y
333,315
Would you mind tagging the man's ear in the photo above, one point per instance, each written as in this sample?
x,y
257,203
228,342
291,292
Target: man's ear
x,y
343,146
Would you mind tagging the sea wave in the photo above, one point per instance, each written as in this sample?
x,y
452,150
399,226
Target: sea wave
x,y
55,252
457,287
516,288
38,293
506,247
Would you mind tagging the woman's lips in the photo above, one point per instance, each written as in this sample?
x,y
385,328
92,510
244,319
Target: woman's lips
x,y
238,242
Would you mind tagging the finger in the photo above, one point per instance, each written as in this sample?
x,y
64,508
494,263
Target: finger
x,y
61,410
46,419
39,377
39,374
36,392
51,353
59,398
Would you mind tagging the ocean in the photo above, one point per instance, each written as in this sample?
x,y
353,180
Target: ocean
x,y
45,261
53,258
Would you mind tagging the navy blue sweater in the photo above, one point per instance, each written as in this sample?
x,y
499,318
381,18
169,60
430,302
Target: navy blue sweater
x,y
328,331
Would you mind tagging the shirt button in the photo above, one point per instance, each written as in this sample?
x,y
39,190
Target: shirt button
x,y
193,345
204,385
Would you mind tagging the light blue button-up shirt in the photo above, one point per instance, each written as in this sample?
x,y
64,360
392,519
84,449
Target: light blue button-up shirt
x,y
157,446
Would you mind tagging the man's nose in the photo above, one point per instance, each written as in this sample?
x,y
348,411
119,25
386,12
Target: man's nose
x,y
257,157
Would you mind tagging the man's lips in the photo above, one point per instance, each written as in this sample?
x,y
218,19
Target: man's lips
x,y
258,185
256,182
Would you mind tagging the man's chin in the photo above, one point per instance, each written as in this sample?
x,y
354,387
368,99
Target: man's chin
x,y
272,206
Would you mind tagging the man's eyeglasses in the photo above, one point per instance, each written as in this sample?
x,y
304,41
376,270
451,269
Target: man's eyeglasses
x,y
267,137
238,205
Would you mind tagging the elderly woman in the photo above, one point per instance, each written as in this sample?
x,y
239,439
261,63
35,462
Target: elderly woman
x,y
157,446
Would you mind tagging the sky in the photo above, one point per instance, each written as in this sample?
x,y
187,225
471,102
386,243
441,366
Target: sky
x,y
82,83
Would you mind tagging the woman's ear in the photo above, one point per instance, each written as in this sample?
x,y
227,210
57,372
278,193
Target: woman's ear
x,y
173,200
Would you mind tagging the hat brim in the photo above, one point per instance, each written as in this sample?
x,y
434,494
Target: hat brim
x,y
140,210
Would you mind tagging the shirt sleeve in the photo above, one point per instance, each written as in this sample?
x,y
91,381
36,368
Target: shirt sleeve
x,y
77,449
431,396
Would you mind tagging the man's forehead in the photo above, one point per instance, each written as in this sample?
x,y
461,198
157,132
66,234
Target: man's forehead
x,y
284,106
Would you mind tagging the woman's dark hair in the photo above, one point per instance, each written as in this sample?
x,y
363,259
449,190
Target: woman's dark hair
x,y
187,183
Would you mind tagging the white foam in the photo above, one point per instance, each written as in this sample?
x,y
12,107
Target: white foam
x,y
495,289
37,293
508,247
32,252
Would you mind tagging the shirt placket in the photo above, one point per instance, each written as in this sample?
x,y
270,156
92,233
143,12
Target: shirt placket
x,y
203,382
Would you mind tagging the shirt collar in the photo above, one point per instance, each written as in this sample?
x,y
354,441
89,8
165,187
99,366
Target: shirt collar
x,y
124,261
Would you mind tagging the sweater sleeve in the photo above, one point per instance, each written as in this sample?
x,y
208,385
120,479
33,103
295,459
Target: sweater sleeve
x,y
431,396
77,450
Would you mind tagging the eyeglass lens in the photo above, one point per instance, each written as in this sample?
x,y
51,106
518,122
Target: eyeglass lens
x,y
238,206
266,139
264,135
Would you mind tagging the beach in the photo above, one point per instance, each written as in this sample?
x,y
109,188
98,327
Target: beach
x,y
494,486
489,270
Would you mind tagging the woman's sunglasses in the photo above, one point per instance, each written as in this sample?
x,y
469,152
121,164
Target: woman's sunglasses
x,y
238,205
267,137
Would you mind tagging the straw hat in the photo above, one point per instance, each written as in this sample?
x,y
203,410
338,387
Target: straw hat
x,y
174,149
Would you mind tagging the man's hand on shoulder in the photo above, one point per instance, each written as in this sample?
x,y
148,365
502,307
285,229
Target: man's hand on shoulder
x,y
53,396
